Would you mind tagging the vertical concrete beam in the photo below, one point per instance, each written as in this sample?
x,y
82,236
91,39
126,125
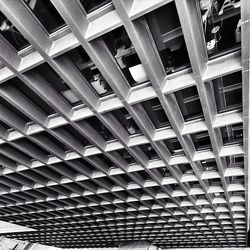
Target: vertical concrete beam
x,y
245,46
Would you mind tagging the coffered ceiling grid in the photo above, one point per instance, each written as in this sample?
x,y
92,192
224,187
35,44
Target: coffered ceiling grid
x,y
65,190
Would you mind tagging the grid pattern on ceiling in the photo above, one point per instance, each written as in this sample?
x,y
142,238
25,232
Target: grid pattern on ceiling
x,y
90,161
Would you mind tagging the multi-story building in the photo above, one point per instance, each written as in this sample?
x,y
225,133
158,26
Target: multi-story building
x,y
125,120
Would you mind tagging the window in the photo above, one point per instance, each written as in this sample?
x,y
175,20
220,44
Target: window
x,y
31,95
127,121
14,110
228,92
186,168
145,176
4,125
232,134
156,113
167,33
25,141
68,129
126,156
235,161
194,184
100,128
209,165
174,146
201,141
189,103
121,47
46,13
221,24
59,85
215,182
164,172
45,136
236,179
149,151
89,71
11,34
92,5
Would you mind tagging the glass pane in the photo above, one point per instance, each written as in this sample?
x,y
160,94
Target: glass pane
x,y
32,96
90,72
235,161
232,134
156,113
228,92
68,129
209,165
46,13
166,29
221,23
127,121
189,103
126,156
149,151
186,168
57,82
14,110
4,125
174,146
100,128
201,141
92,5
48,137
164,172
11,34
104,159
121,47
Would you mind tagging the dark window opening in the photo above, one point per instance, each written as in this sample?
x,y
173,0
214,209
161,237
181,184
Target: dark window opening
x,y
126,156
149,151
31,143
58,84
92,5
145,176
127,121
14,110
49,138
235,161
77,135
121,47
46,13
186,168
189,103
201,141
156,113
209,165
232,134
215,182
174,146
236,179
166,29
222,25
175,186
100,128
106,160
4,125
194,184
89,71
32,96
164,172
228,92
11,34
